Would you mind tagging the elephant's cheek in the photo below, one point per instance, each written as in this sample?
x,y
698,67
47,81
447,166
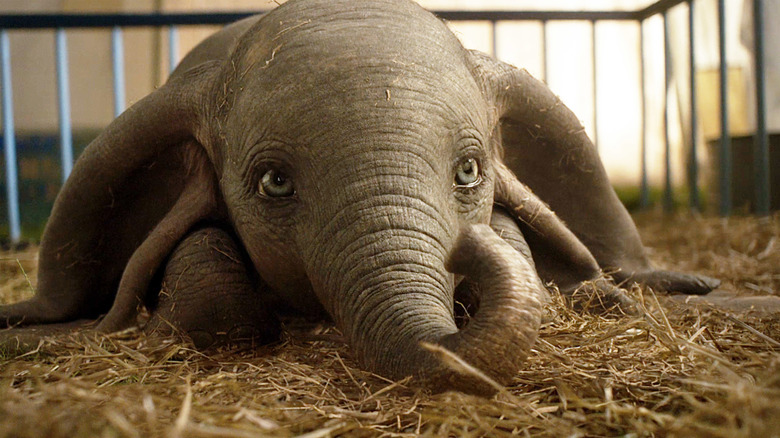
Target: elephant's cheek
x,y
286,278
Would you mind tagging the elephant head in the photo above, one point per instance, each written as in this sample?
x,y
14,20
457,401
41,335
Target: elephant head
x,y
355,149
354,165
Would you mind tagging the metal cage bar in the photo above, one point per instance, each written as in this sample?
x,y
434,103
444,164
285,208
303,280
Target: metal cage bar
x,y
63,103
545,57
594,85
693,161
48,21
725,140
118,67
644,187
173,48
668,201
9,139
761,141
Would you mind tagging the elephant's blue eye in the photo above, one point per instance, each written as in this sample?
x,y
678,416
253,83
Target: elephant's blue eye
x,y
276,184
467,173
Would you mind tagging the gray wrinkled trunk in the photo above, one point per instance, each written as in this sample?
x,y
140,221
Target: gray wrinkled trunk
x,y
389,291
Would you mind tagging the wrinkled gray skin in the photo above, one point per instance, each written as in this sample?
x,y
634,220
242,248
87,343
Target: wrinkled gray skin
x,y
207,260
357,151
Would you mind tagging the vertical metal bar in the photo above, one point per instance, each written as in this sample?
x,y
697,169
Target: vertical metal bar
x,y
118,67
63,102
761,140
668,195
644,189
545,57
693,169
494,38
9,138
594,72
173,48
725,139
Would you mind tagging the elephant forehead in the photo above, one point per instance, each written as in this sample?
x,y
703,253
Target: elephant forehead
x,y
304,95
329,27
341,51
337,115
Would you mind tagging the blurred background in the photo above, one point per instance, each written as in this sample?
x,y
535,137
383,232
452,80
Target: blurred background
x,y
597,68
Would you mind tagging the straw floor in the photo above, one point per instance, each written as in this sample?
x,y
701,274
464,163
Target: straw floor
x,y
674,371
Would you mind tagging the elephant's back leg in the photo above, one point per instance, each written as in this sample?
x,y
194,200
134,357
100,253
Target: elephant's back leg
x,y
209,295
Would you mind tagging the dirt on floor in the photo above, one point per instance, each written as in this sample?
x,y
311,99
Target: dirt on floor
x,y
698,368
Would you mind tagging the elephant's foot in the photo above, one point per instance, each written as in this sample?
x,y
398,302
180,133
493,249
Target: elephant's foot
x,y
209,296
669,281
600,296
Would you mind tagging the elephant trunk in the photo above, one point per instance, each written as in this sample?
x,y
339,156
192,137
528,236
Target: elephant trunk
x,y
498,339
400,309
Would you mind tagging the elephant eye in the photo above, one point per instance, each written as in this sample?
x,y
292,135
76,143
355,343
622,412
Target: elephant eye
x,y
276,185
467,173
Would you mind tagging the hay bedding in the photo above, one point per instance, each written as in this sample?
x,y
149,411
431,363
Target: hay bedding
x,y
677,371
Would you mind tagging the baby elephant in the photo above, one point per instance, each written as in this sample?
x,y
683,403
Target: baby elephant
x,y
343,158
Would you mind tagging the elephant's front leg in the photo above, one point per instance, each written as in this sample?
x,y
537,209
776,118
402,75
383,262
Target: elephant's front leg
x,y
590,292
209,295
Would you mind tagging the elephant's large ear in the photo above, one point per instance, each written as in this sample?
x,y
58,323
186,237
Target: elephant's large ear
x,y
538,139
544,144
133,193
